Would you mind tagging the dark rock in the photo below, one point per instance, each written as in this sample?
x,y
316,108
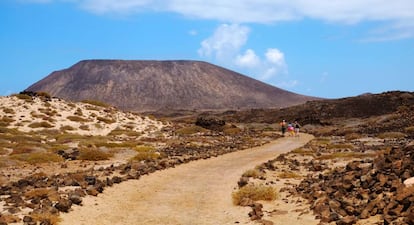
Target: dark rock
x,y
63,205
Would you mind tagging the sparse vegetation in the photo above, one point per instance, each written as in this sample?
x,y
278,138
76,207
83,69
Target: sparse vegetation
x,y
105,120
96,103
42,124
346,155
395,135
77,119
91,154
37,157
254,173
255,193
191,130
289,175
46,218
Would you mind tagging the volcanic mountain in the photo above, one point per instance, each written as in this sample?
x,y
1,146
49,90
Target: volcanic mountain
x,y
163,85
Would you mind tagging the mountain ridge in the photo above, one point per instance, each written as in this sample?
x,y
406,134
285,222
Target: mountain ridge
x,y
151,85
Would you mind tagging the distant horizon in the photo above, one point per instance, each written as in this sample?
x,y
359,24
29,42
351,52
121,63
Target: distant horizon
x,y
323,49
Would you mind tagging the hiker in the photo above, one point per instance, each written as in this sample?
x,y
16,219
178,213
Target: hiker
x,y
283,127
291,129
297,126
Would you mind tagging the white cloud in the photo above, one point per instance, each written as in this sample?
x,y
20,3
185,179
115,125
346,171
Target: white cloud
x,y
248,59
225,42
275,56
394,13
225,47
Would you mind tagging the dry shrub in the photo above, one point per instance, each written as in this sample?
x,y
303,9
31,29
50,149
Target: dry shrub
x,y
42,124
352,136
77,119
93,154
191,130
346,155
37,157
7,120
22,149
254,173
9,218
46,218
303,151
409,130
9,111
392,135
130,133
105,120
145,152
288,175
340,146
84,127
96,103
42,193
232,131
255,193
25,97
66,128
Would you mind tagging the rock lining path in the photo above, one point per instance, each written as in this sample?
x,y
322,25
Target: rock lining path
x,y
198,192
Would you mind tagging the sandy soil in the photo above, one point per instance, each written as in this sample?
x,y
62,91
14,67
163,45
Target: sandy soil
x,y
195,193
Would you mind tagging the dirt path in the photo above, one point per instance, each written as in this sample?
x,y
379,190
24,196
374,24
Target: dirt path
x,y
198,192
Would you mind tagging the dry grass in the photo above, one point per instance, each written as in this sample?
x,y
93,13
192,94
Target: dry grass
x,y
339,146
42,193
289,175
191,130
303,151
391,135
352,136
42,124
91,154
105,120
77,119
37,157
346,155
145,152
409,130
254,173
130,133
8,111
46,218
254,192
96,103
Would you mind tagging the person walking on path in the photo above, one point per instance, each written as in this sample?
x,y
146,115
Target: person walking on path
x,y
283,127
297,127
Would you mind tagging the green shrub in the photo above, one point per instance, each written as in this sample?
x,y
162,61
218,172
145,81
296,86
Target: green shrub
x,y
255,193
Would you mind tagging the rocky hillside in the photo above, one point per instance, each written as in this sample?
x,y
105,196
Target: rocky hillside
x,y
163,85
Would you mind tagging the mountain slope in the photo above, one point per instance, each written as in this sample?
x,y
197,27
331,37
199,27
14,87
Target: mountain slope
x,y
160,85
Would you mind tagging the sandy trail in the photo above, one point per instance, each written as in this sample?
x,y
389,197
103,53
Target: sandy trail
x,y
198,192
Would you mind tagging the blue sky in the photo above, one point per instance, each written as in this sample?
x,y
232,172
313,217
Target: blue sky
x,y
324,48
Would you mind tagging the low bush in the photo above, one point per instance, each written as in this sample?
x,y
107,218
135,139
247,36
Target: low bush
x,y
346,155
77,119
288,175
255,193
105,120
37,157
254,173
96,103
191,130
42,124
42,193
46,218
9,111
91,154
392,135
